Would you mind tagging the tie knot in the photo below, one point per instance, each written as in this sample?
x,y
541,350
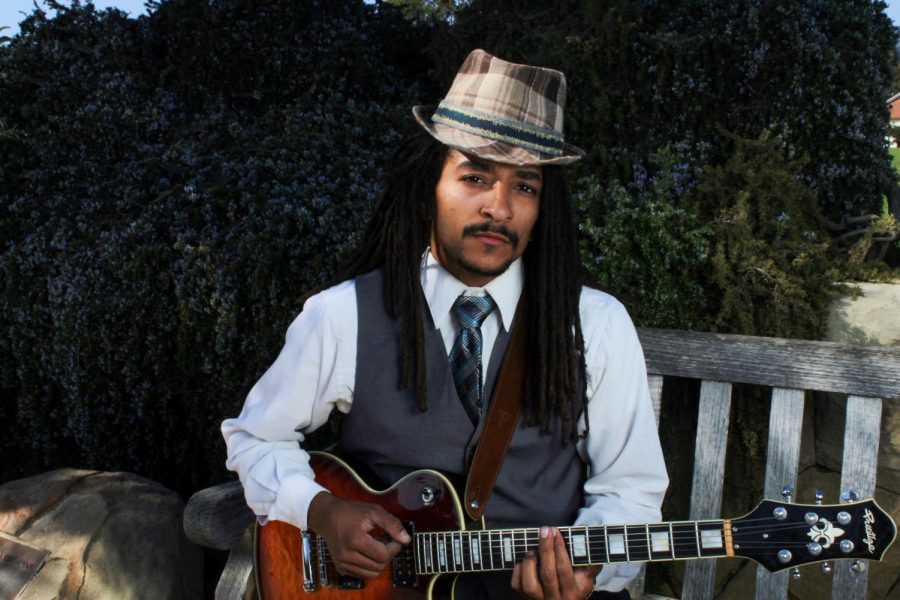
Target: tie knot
x,y
471,311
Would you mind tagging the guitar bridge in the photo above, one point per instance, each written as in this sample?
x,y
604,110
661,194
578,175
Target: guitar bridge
x,y
404,564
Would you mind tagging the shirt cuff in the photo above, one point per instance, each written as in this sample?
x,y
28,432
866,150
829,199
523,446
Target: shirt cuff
x,y
613,578
294,497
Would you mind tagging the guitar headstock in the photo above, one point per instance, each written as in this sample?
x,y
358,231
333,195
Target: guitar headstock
x,y
779,535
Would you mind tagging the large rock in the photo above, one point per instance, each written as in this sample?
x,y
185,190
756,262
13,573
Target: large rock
x,y
870,317
111,535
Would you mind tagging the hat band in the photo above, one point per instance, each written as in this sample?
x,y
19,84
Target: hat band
x,y
512,132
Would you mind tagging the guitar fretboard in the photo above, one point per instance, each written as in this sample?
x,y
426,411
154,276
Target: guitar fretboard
x,y
501,549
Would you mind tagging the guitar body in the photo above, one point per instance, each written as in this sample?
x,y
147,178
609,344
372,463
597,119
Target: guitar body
x,y
424,497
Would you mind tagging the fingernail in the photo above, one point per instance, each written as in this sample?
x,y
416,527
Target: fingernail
x,y
545,532
404,537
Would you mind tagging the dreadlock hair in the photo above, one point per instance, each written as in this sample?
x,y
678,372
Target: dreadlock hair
x,y
400,230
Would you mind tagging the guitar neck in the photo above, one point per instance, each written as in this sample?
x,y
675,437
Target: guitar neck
x,y
501,549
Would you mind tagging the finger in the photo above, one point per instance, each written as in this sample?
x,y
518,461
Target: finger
x,y
531,585
391,526
547,566
564,573
516,581
585,579
375,550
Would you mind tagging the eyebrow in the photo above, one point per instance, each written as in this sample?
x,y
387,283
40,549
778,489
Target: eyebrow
x,y
487,168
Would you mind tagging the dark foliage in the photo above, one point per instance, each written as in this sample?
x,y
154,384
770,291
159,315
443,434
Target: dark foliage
x,y
170,187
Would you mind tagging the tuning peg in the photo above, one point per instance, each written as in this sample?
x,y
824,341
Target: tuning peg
x,y
849,496
858,566
787,492
827,568
795,573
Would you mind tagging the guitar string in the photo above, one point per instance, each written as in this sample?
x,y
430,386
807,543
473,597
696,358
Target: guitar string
x,y
463,554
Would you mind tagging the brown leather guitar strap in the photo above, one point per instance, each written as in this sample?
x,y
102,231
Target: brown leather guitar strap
x,y
501,421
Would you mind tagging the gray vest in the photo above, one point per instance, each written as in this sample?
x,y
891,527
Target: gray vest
x,y
541,480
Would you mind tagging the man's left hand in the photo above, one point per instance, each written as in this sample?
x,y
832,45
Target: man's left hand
x,y
549,574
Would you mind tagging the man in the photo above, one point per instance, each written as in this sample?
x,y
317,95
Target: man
x,y
473,232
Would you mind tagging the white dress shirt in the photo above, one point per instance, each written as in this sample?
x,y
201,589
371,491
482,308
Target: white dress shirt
x,y
316,370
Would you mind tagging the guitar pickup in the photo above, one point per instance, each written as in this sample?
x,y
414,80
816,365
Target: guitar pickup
x,y
349,583
404,564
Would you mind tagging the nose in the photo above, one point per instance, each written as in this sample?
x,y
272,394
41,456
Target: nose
x,y
497,205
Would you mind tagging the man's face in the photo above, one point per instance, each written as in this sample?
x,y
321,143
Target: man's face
x,y
484,216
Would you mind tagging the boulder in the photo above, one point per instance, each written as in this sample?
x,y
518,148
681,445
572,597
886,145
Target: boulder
x,y
871,316
111,535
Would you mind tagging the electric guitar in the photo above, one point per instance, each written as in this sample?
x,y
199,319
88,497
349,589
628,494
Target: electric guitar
x,y
294,564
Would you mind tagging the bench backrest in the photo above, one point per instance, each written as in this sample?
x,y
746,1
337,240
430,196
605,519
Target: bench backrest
x,y
867,374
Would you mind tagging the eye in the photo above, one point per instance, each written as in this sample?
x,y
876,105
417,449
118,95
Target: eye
x,y
524,187
473,178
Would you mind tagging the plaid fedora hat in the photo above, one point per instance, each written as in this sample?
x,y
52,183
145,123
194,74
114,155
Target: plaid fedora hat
x,y
503,112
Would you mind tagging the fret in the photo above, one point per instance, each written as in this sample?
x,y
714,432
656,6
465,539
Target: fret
x,y
660,540
509,559
617,549
497,550
578,550
442,553
684,540
436,541
466,549
636,543
599,544
457,551
712,538
672,541
587,537
426,552
697,537
475,543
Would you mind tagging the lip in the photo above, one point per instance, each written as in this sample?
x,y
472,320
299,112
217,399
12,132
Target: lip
x,y
492,239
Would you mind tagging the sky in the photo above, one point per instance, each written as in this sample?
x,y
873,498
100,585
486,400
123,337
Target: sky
x,y
11,11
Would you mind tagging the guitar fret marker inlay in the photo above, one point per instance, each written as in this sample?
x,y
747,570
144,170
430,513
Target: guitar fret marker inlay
x,y
476,550
507,549
616,543
579,546
711,538
660,541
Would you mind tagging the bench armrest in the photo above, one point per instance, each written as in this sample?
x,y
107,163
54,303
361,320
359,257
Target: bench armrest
x,y
217,517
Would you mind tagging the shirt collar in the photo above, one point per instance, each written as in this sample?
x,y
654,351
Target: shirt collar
x,y
442,289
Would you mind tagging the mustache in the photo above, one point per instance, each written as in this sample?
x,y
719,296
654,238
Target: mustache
x,y
487,227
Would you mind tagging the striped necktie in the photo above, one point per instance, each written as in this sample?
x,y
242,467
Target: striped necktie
x,y
465,357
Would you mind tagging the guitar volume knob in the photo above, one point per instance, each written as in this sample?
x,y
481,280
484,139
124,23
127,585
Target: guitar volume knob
x,y
427,495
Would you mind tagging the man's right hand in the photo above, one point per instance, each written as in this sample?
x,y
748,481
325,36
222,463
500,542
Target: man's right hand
x,y
347,527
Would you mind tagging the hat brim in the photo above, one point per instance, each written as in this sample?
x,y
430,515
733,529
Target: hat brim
x,y
488,149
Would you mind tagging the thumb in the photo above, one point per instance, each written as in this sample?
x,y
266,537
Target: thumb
x,y
392,526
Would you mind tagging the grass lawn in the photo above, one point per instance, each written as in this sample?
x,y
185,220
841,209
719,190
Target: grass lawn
x,y
895,158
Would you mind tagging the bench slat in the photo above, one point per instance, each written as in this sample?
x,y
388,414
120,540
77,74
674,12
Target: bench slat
x,y
782,460
236,575
825,366
709,469
861,437
636,587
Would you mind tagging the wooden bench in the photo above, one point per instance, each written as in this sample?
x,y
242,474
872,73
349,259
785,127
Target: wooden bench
x,y
867,375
